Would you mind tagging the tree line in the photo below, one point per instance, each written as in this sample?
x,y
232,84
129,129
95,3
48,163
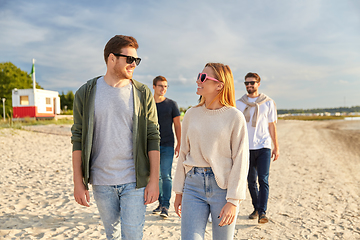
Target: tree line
x,y
66,101
320,110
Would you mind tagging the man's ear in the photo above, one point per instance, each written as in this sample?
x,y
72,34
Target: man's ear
x,y
111,58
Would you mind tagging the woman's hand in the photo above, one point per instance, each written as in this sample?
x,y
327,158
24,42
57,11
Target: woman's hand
x,y
177,204
227,214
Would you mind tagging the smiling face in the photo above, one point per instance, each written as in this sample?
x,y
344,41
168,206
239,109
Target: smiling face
x,y
120,68
251,89
160,88
209,88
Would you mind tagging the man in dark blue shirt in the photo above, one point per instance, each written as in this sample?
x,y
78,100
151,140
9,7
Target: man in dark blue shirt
x,y
168,113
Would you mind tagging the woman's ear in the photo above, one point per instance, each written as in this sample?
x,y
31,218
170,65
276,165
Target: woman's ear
x,y
220,86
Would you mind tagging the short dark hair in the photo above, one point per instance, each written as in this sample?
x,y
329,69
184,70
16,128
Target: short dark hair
x,y
158,78
116,43
253,75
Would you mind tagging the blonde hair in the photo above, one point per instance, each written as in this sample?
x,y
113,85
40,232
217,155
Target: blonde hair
x,y
227,93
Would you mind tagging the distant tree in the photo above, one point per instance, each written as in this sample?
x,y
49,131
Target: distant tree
x,y
182,109
12,77
67,100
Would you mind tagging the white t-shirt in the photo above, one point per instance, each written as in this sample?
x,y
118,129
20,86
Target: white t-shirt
x,y
259,137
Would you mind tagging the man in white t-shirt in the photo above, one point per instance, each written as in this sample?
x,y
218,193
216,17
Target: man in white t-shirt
x,y
261,117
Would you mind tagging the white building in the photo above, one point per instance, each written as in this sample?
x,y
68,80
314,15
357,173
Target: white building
x,y
35,103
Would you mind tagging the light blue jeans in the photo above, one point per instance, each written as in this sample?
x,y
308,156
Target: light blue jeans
x,y
121,209
165,181
202,196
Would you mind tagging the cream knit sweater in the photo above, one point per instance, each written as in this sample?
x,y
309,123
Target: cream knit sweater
x,y
216,139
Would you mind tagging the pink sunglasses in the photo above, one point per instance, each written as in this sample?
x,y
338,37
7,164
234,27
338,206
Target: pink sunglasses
x,y
203,76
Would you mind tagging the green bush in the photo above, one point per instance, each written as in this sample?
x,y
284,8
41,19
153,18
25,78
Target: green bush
x,y
68,112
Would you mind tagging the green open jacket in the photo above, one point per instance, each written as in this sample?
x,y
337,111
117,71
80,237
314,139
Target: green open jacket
x,y
146,136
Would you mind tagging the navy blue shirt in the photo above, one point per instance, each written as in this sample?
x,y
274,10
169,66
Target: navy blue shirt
x,y
167,110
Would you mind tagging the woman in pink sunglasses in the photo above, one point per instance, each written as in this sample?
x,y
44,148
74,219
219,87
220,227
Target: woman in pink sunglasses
x,y
211,173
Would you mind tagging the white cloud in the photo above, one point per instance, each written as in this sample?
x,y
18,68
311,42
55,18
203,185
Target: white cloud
x,y
300,49
16,33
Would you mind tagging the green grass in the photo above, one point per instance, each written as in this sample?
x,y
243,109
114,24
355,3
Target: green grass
x,y
68,112
31,122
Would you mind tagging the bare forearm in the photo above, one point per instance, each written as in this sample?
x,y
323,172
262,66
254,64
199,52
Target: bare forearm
x,y
273,134
177,127
178,134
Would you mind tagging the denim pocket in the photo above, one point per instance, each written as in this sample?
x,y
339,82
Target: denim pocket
x,y
190,173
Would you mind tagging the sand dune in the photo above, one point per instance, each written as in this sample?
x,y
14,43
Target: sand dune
x,y
314,188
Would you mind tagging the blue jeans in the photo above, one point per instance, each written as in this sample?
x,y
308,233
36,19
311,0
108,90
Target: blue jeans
x,y
259,170
202,196
165,180
121,205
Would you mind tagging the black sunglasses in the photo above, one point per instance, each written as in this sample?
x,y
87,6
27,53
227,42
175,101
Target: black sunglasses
x,y
250,82
129,59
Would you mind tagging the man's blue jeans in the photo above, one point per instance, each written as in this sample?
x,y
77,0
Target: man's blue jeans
x,y
202,196
121,205
165,180
259,170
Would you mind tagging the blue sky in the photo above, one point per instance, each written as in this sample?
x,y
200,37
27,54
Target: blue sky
x,y
306,52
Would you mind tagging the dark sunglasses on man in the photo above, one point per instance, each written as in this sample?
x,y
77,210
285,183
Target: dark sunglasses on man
x,y
250,82
129,59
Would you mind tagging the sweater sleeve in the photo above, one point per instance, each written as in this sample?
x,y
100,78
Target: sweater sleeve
x,y
237,182
153,134
179,178
76,129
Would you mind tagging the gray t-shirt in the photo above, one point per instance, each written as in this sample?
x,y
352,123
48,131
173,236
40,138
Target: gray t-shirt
x,y
112,160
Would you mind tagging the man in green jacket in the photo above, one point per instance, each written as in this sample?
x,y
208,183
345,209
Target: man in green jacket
x,y
116,141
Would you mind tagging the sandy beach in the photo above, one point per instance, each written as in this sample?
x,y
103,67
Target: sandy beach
x,y
314,187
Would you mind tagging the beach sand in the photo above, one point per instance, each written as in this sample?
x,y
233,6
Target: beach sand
x,y
314,187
